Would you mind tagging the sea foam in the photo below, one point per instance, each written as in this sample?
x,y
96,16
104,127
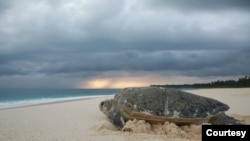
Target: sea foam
x,y
22,103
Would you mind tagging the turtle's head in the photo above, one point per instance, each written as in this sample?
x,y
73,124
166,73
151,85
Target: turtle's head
x,y
106,106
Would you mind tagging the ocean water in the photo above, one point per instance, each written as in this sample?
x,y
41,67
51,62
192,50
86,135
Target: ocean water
x,y
11,98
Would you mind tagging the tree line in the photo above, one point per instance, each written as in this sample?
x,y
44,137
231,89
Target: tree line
x,y
240,83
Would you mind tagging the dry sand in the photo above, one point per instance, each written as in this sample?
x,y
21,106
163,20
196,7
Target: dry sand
x,y
82,120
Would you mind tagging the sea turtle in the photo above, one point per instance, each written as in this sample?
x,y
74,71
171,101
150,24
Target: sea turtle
x,y
158,105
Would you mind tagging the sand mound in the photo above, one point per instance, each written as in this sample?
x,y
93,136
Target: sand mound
x,y
141,130
166,129
140,127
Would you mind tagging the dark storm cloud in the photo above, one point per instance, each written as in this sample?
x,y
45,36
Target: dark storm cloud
x,y
82,39
224,61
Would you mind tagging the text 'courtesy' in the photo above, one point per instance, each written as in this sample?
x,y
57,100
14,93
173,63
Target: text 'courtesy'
x,y
235,132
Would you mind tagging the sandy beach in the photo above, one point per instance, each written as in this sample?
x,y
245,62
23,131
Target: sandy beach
x,y
82,120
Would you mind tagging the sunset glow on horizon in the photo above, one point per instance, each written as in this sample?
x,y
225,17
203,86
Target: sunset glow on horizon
x,y
112,83
138,81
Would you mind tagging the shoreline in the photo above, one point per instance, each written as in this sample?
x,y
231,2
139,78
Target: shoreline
x,y
55,102
82,120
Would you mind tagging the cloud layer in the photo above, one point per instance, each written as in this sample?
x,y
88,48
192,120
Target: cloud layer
x,y
63,43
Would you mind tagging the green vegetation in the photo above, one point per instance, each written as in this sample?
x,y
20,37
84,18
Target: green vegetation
x,y
240,83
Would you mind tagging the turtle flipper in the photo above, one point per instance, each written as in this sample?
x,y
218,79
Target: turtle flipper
x,y
223,119
117,119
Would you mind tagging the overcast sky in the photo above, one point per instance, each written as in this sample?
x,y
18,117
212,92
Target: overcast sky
x,y
120,43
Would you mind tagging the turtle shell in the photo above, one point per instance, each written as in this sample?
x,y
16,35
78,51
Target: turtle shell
x,y
156,104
